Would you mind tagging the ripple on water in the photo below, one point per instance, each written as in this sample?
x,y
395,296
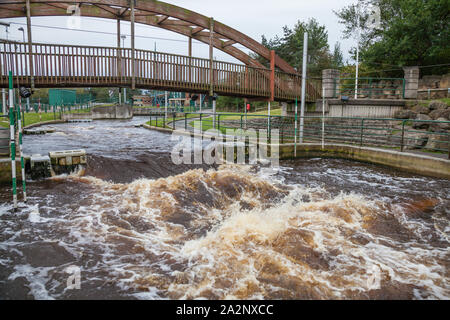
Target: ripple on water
x,y
235,233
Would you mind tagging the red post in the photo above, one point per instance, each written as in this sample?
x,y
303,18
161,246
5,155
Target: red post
x,y
272,75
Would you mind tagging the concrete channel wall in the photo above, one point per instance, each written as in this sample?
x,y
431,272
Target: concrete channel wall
x,y
414,163
368,108
409,162
102,113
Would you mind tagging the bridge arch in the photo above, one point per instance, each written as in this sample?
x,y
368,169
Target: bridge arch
x,y
157,14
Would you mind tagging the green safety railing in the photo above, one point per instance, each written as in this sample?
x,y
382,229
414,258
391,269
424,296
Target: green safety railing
x,y
372,88
411,135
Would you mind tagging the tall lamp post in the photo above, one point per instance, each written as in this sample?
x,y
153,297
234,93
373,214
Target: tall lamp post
x,y
123,37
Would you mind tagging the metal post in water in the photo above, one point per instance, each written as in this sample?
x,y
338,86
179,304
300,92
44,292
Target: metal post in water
x,y
22,164
12,139
302,107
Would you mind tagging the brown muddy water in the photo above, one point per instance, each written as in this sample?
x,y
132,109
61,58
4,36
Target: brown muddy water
x,y
139,227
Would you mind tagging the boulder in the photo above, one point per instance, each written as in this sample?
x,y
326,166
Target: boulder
x,y
436,104
416,140
405,114
438,142
421,109
418,124
440,113
440,127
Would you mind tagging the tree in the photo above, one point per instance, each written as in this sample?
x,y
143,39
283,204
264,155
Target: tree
x,y
230,104
290,46
411,32
337,57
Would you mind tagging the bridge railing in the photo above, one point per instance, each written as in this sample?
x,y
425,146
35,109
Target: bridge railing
x,y
288,86
74,65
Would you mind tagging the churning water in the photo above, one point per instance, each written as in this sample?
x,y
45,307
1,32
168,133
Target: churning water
x,y
139,227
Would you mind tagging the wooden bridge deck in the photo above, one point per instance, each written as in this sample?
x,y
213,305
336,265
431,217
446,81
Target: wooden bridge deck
x,y
86,66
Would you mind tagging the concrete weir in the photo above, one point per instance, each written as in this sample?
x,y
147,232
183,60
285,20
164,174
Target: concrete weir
x,y
101,113
414,163
410,162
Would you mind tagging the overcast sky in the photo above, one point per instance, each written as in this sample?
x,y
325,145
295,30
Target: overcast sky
x,y
251,17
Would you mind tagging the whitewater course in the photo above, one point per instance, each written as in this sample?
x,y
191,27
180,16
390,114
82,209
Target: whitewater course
x,y
139,227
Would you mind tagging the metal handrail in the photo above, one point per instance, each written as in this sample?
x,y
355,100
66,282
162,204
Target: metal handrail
x,y
381,132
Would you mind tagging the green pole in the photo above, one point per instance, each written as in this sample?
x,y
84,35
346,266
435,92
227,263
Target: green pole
x,y
22,164
12,139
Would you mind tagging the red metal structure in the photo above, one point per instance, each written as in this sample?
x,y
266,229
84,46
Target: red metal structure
x,y
280,82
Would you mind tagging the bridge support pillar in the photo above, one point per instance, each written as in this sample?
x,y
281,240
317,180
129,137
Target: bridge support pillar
x,y
411,82
330,83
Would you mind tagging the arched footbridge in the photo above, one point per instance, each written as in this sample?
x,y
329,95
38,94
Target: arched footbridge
x,y
55,65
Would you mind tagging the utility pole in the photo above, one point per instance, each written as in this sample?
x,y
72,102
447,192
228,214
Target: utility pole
x,y
302,106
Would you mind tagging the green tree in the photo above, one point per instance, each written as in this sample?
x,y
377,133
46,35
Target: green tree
x,y
230,104
337,56
411,32
290,46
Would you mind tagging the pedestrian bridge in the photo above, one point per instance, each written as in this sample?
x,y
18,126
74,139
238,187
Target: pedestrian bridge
x,y
56,65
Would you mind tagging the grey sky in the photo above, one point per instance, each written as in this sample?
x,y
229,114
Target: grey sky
x,y
251,17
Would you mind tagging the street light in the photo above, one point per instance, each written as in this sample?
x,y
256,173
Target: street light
x,y
123,37
23,33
